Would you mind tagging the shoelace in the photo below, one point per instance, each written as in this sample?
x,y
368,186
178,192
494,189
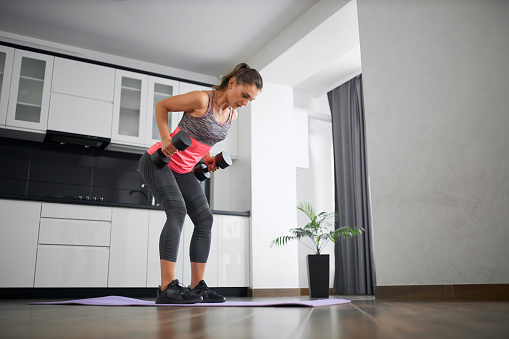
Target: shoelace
x,y
202,287
181,287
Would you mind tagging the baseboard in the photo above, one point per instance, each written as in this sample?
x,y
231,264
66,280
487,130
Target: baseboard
x,y
273,292
87,292
305,291
467,292
279,292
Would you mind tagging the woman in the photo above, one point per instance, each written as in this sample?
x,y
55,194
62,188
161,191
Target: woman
x,y
207,119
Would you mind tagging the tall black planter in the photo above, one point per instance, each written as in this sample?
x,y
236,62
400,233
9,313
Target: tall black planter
x,y
318,275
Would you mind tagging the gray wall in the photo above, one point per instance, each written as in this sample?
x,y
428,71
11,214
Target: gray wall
x,y
436,84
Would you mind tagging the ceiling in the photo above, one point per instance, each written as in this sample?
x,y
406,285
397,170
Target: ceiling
x,y
307,44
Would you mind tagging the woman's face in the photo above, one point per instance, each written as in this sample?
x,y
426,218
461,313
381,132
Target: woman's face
x,y
239,95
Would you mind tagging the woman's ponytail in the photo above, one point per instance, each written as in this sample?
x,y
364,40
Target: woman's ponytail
x,y
243,75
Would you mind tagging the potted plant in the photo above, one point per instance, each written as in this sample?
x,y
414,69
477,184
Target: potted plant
x,y
319,231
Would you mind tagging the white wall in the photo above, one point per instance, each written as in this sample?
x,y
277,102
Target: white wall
x,y
316,186
436,85
273,179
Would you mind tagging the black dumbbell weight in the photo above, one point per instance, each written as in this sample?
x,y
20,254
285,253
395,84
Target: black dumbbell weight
x,y
223,160
181,141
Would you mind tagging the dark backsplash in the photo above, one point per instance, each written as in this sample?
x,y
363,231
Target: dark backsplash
x,y
40,170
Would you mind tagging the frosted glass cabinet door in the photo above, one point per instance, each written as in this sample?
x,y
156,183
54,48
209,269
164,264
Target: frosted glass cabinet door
x,y
159,89
129,108
30,90
6,61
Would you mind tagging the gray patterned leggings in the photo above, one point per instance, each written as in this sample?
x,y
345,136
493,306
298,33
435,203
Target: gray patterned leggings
x,y
179,194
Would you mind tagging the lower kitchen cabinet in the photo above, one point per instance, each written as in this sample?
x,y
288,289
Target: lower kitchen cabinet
x,y
128,248
233,251
74,232
18,242
71,266
64,245
73,247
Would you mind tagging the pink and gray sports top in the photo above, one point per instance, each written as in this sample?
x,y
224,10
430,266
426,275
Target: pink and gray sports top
x,y
204,131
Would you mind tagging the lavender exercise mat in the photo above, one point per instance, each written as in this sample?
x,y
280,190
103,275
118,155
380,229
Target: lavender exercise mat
x,y
124,301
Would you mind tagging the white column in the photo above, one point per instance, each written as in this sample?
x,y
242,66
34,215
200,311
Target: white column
x,y
273,179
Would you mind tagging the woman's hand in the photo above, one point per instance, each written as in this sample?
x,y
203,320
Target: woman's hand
x,y
210,162
168,148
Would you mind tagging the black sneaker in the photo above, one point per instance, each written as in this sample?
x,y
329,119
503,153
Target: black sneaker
x,y
209,296
177,294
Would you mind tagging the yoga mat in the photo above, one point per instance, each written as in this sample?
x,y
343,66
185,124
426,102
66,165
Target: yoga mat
x,y
124,301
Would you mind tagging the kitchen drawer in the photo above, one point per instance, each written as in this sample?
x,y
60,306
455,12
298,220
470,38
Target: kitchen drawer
x,y
65,211
71,266
74,232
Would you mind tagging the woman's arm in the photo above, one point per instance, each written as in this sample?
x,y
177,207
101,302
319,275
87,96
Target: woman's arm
x,y
194,103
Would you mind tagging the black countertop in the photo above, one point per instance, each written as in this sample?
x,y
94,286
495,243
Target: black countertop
x,y
104,203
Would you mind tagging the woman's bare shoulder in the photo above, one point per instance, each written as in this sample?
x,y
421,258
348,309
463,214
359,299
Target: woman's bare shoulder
x,y
200,100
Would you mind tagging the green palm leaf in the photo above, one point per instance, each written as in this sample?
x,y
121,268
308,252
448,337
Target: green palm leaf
x,y
318,230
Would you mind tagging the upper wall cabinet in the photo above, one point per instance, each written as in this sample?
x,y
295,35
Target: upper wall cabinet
x,y
129,108
83,79
30,91
159,89
6,61
81,98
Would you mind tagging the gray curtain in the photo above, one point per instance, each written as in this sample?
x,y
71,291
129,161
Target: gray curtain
x,y
355,269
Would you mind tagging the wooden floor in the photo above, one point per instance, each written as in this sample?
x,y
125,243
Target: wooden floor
x,y
364,317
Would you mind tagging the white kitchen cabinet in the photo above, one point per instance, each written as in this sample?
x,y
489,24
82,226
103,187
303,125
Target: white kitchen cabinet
x,y
76,212
128,249
74,232
233,250
210,277
159,89
6,62
74,246
81,98
18,242
83,79
71,266
30,91
157,220
129,108
72,114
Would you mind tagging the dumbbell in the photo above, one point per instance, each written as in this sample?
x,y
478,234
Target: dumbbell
x,y
223,160
181,141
